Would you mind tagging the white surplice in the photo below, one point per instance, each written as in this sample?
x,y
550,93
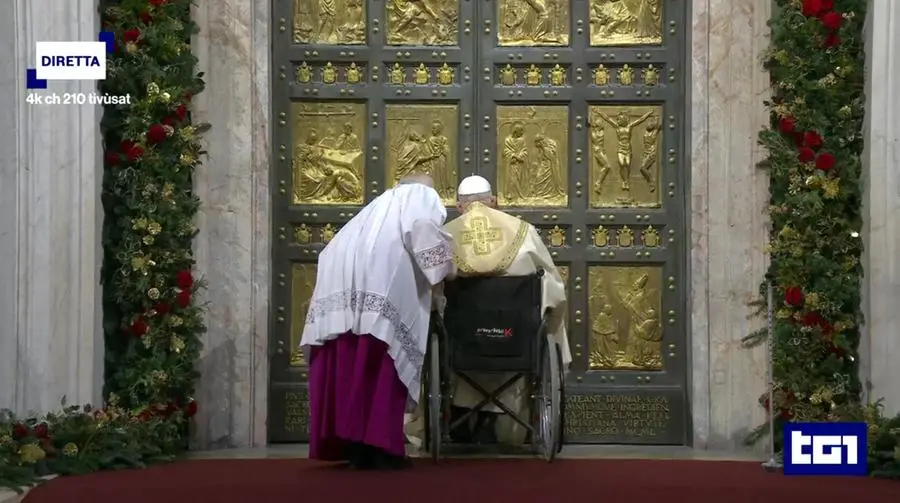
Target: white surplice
x,y
377,274
516,250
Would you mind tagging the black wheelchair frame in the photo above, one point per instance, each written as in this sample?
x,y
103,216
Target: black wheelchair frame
x,y
538,363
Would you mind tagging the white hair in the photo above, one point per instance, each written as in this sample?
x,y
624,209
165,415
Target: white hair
x,y
472,198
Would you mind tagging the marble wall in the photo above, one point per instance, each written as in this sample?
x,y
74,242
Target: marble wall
x,y
728,196
880,348
233,245
50,219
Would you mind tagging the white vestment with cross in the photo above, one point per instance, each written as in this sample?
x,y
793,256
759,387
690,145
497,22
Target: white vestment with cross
x,y
487,241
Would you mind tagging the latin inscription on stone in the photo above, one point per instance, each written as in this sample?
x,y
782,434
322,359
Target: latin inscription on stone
x,y
296,413
638,417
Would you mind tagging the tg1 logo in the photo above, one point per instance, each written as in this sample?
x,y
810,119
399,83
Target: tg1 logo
x,y
825,449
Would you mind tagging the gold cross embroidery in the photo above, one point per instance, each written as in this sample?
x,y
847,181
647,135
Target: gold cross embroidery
x,y
480,235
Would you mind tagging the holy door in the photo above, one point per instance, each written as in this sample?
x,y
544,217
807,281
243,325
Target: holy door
x,y
574,109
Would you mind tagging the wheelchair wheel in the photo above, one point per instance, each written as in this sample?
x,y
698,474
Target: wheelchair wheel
x,y
560,438
548,400
434,405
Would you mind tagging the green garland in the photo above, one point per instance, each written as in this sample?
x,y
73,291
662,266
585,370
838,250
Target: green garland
x,y
153,326
152,323
815,143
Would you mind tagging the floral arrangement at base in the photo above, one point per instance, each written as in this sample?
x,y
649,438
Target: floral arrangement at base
x,y
816,63
81,439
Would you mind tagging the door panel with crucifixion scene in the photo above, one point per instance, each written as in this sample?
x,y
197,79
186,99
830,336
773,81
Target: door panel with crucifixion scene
x,y
573,109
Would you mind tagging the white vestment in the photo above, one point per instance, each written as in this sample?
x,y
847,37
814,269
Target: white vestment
x,y
377,274
515,249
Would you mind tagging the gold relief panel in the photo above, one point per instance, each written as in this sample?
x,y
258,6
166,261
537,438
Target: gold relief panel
x,y
564,274
340,22
626,22
625,305
554,237
529,23
330,73
303,281
625,156
305,234
420,74
422,22
533,152
327,163
533,75
424,139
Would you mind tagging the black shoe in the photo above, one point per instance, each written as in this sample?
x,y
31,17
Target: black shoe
x,y
360,456
385,461
462,434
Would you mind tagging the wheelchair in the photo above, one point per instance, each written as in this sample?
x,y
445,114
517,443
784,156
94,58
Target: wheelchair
x,y
495,325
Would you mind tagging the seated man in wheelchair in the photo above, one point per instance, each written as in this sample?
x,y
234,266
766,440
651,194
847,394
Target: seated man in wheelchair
x,y
489,242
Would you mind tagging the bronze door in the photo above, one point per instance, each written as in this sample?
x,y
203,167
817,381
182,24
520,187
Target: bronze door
x,y
567,107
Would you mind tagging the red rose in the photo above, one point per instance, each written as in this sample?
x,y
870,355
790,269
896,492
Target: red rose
x,y
131,35
181,112
827,5
183,299
156,133
162,308
813,319
112,158
812,8
825,161
793,296
812,139
131,150
190,409
786,125
146,17
41,431
185,279
170,121
20,431
158,3
806,154
139,327
831,20
831,40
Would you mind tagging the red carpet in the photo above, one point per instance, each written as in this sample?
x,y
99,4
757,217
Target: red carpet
x,y
463,481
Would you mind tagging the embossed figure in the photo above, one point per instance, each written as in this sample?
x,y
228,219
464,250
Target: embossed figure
x,y
533,76
354,24
348,141
598,153
303,281
515,156
623,127
414,156
534,22
605,340
397,76
445,75
439,150
422,22
508,76
323,172
625,22
644,333
329,22
650,155
352,74
327,11
545,176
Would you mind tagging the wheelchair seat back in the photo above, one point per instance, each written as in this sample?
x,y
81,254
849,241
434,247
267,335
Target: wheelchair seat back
x,y
494,323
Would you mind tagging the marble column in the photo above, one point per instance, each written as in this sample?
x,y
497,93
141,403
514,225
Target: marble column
x,y
233,245
51,342
880,348
728,197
